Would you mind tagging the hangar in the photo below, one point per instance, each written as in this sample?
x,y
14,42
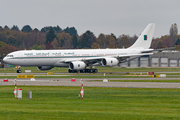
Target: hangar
x,y
162,59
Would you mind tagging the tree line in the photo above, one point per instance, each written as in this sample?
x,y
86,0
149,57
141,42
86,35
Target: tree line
x,y
54,37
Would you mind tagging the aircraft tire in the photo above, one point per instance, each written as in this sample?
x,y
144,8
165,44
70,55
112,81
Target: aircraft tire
x,y
18,71
86,70
82,71
91,70
95,70
69,71
72,71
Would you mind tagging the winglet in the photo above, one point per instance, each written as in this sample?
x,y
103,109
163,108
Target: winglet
x,y
145,39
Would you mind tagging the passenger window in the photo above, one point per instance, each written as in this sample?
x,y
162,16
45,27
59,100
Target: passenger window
x,y
9,56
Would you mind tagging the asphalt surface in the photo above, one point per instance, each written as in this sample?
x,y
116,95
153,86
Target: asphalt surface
x,y
89,83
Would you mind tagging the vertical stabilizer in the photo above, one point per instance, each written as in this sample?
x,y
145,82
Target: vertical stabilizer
x,y
145,39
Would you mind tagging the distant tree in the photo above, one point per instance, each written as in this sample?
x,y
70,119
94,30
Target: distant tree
x,y
1,29
55,43
173,34
110,41
177,47
165,40
43,30
5,49
101,40
26,29
35,29
133,39
87,39
71,31
177,42
13,41
159,46
173,30
37,47
113,36
123,41
62,38
2,44
56,29
95,45
68,44
15,28
49,46
74,41
6,27
50,35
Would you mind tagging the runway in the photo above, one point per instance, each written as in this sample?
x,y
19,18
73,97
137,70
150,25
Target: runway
x,y
89,83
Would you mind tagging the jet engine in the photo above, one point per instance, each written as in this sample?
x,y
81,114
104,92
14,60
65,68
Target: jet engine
x,y
44,67
110,62
77,65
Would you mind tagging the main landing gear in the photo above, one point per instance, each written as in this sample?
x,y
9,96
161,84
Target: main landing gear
x,y
83,71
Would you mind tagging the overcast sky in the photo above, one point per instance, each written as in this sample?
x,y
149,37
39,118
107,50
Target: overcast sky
x,y
99,16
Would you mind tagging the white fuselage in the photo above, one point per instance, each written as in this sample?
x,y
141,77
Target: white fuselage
x,y
59,58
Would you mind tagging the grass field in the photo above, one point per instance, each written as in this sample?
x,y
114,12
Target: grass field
x,y
98,103
162,81
100,69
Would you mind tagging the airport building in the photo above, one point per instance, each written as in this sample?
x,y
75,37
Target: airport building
x,y
162,59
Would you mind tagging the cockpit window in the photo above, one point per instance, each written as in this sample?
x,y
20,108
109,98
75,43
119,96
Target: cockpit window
x,y
9,56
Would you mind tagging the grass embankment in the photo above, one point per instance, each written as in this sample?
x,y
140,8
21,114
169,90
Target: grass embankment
x,y
98,103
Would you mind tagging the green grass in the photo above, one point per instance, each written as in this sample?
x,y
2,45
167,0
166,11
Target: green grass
x,y
80,77
100,69
98,103
162,81
89,76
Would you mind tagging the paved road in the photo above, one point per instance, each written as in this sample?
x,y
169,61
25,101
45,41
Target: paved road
x,y
88,83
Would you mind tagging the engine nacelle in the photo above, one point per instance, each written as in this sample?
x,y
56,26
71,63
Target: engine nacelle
x,y
110,62
77,65
44,67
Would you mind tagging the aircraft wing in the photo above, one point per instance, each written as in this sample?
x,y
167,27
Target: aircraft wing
x,y
158,50
121,58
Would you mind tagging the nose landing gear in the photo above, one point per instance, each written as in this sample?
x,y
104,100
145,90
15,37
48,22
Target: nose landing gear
x,y
18,71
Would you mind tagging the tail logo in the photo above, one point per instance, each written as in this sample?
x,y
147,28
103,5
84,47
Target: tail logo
x,y
145,37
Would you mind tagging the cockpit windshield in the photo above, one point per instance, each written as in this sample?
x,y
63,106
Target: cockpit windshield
x,y
9,56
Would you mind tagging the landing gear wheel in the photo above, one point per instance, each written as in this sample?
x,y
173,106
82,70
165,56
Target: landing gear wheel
x,y
18,71
91,70
82,71
72,71
95,70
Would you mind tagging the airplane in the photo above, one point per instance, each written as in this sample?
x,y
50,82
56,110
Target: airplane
x,y
78,59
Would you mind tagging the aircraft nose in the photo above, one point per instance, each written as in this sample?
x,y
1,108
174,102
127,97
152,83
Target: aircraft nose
x,y
5,60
